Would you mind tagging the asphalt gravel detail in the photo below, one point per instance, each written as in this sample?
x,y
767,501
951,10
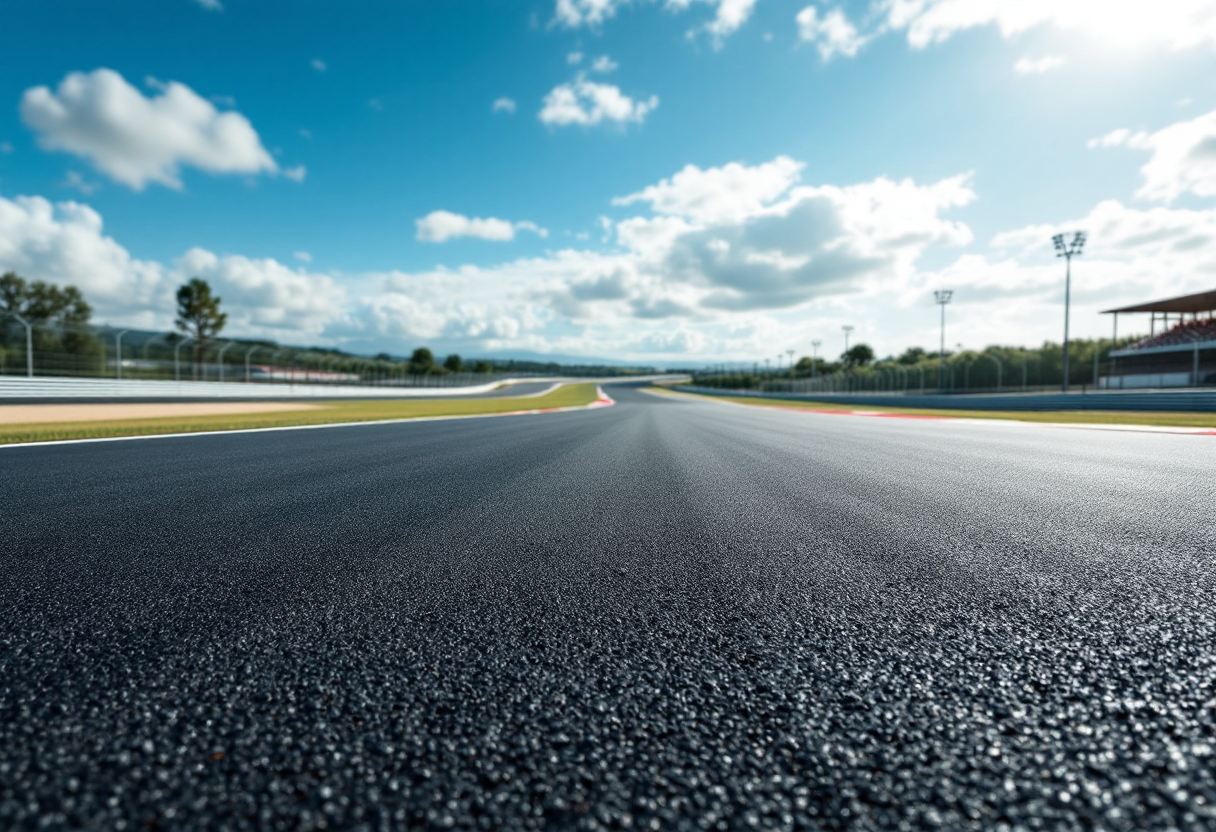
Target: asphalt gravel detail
x,y
668,614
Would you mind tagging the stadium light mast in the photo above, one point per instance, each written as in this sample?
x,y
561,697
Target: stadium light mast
x,y
847,329
942,297
1068,251
790,353
814,356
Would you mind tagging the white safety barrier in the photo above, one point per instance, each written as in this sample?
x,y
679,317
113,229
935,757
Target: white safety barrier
x,y
20,387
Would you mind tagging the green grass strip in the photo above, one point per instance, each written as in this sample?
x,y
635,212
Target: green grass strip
x,y
322,413
1065,417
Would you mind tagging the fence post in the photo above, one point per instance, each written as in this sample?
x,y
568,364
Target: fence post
x,y
177,373
118,351
221,358
29,344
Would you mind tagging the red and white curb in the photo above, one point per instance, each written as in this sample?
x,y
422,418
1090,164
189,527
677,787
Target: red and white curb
x,y
879,414
602,400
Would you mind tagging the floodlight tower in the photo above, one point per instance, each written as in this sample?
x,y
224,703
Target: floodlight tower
x,y
790,353
1068,251
814,356
942,297
847,329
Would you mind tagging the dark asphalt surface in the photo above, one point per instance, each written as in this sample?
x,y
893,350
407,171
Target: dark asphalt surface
x,y
660,615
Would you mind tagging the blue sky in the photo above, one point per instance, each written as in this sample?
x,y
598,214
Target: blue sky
x,y
846,159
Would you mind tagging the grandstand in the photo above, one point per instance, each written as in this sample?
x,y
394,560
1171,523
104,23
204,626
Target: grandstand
x,y
1180,350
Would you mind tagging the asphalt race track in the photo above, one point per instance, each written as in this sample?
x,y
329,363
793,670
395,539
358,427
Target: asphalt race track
x,y
660,615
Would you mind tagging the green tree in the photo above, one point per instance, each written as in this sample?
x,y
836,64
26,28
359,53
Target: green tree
x,y
912,356
858,355
59,316
483,367
422,362
199,315
453,363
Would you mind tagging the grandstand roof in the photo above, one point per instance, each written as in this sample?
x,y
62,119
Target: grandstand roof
x,y
1200,302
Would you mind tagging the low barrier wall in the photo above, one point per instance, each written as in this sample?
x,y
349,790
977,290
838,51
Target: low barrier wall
x,y
1197,401
20,387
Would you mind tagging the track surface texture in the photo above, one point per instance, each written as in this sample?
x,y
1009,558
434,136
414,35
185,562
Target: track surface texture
x,y
668,614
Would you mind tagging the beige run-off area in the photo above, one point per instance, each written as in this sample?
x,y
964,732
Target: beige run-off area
x,y
29,414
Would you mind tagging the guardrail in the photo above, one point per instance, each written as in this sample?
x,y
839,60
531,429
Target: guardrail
x,y
1198,401
101,388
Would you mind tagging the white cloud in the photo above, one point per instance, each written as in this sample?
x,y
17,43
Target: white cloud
x,y
715,262
65,243
302,256
728,15
1171,24
137,140
503,105
6,148
832,32
716,195
1182,160
604,64
1177,24
1037,66
319,65
441,226
574,58
296,174
74,180
210,5
589,103
264,295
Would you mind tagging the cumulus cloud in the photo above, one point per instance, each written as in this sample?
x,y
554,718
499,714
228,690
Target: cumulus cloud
x,y
1173,24
441,226
589,103
136,140
65,243
574,58
813,242
604,64
1182,157
728,15
832,33
266,296
296,174
1037,66
1178,24
721,194
503,105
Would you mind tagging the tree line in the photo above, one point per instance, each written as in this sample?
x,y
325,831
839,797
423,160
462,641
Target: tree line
x,y
993,366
